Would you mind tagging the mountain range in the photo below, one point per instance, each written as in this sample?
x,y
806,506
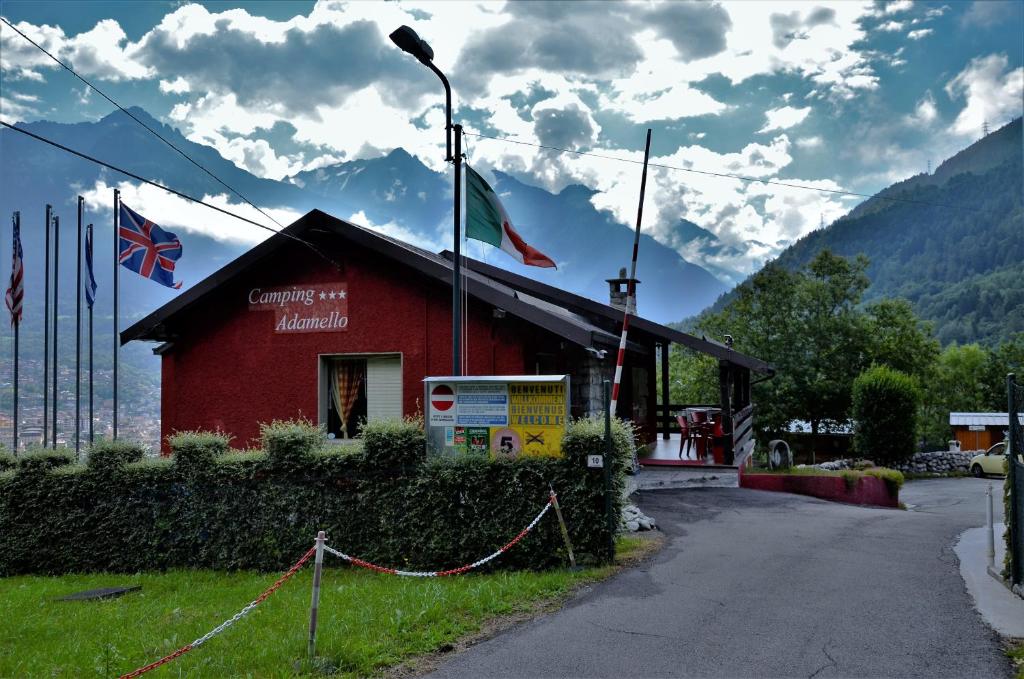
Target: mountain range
x,y
951,241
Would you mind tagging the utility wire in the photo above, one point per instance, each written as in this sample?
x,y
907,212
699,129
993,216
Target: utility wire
x,y
723,175
167,189
140,122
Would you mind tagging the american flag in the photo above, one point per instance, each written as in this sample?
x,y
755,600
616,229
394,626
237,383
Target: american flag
x,y
16,291
147,249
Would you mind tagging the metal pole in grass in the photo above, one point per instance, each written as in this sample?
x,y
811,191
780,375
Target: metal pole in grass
x,y
608,469
314,607
561,524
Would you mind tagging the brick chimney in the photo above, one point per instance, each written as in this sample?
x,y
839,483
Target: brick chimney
x,y
617,289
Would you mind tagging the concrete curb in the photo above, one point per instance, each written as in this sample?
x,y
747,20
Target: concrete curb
x,y
999,607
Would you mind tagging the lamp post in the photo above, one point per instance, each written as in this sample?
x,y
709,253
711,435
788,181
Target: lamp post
x,y
408,41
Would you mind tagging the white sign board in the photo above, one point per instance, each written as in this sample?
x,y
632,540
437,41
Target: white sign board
x,y
595,461
481,405
442,405
976,427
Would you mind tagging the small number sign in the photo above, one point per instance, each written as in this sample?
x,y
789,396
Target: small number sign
x,y
595,461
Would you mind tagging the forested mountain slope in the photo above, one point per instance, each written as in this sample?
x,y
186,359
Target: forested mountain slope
x,y
953,246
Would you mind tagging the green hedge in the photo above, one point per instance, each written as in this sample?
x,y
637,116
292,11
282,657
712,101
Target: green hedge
x,y
885,404
382,502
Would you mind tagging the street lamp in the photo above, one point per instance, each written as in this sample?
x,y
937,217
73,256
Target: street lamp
x,y
408,41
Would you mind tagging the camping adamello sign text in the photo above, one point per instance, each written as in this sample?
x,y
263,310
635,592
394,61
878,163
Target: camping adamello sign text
x,y
318,307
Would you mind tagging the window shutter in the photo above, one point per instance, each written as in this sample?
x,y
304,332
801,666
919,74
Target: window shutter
x,y
383,387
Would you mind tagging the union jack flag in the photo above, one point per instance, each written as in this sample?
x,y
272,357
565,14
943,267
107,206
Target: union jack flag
x,y
147,249
16,292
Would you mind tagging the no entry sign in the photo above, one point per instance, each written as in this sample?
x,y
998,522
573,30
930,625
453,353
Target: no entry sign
x,y
442,404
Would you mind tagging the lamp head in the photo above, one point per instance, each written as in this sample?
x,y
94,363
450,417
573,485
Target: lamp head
x,y
408,41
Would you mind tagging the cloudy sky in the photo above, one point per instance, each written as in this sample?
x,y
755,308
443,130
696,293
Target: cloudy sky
x,y
838,95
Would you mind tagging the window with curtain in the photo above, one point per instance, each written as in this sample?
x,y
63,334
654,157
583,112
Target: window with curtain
x,y
355,388
346,391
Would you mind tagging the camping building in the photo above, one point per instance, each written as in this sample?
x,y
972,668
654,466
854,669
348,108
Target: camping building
x,y
979,431
336,323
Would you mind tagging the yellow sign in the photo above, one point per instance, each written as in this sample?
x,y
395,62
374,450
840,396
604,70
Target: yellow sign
x,y
537,413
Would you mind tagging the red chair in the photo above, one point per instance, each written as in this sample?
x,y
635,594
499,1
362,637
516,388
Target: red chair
x,y
684,434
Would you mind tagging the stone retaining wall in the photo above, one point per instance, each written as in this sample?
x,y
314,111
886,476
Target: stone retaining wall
x,y
938,462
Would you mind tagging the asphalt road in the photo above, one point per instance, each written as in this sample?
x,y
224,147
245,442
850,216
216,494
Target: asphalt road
x,y
759,584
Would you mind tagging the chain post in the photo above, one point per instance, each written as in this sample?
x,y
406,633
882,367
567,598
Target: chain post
x,y
608,470
314,607
561,525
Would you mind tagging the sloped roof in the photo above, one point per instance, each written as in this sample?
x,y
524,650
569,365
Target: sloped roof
x,y
609,317
985,419
158,326
577,319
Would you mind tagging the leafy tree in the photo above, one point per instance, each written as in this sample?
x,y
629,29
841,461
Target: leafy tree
x,y
957,384
1008,357
900,340
811,326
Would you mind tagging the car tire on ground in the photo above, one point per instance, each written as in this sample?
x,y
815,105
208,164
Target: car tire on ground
x,y
976,471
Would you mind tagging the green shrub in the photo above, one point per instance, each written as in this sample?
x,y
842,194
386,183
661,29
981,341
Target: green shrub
x,y
105,454
7,461
196,450
290,443
244,512
394,442
892,477
885,405
38,459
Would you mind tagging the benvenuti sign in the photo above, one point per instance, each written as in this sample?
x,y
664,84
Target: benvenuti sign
x,y
500,416
318,307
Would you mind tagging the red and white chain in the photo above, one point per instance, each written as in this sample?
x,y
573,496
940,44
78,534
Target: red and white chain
x,y
227,623
453,571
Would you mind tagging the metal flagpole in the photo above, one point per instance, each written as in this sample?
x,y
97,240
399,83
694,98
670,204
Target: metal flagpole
x,y
631,283
88,240
46,327
117,271
56,297
78,335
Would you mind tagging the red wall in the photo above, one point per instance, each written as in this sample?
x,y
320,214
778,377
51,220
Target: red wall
x,y
868,491
228,370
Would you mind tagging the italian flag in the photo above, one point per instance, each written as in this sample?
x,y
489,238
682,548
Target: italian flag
x,y
487,220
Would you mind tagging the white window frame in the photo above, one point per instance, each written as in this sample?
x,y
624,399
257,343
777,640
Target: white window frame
x,y
321,383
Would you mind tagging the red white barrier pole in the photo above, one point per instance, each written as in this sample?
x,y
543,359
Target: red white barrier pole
x,y
631,283
314,606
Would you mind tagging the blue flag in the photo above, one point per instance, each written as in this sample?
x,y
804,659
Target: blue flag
x,y
90,285
147,249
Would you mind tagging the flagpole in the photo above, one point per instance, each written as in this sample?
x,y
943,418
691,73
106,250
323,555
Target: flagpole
x,y
88,238
46,327
631,283
56,297
117,271
17,326
78,335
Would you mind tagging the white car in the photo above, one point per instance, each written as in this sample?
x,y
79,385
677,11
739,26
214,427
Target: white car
x,y
992,461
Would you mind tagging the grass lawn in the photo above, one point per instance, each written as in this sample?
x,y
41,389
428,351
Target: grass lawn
x,y
367,621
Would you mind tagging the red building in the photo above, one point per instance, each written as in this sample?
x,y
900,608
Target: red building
x,y
337,323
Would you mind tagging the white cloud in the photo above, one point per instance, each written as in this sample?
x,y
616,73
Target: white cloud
x,y
177,86
809,142
891,26
924,113
183,216
899,6
784,118
400,232
920,33
992,91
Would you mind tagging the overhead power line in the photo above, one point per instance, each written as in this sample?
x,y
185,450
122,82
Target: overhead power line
x,y
723,175
140,122
168,189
